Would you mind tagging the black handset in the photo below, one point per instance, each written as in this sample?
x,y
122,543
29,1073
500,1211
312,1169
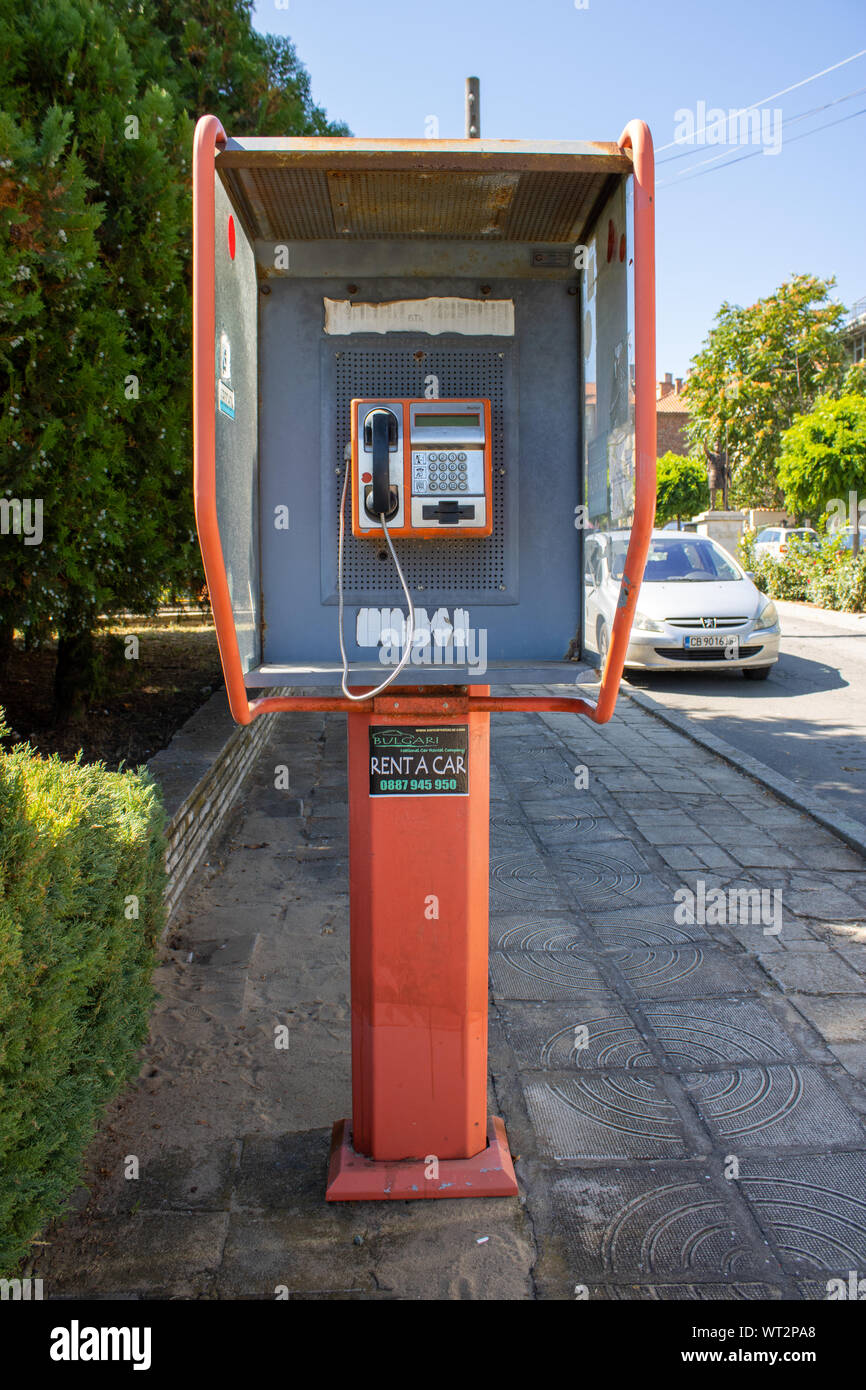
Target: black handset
x,y
380,434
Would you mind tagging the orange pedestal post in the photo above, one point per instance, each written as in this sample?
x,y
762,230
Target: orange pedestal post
x,y
419,798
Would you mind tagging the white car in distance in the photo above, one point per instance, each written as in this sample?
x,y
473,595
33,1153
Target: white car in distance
x,y
697,608
776,541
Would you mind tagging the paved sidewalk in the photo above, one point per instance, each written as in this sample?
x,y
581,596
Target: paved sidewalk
x,y
685,1099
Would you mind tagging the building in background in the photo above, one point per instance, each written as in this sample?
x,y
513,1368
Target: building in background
x,y
853,330
672,417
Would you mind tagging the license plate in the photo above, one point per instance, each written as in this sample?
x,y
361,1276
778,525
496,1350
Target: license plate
x,y
730,645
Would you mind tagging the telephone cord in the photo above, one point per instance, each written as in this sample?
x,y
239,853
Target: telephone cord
x,y
410,633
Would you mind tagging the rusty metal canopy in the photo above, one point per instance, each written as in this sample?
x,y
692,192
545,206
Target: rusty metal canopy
x,y
308,189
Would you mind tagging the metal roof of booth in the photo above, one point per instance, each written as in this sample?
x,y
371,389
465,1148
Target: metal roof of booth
x,y
309,189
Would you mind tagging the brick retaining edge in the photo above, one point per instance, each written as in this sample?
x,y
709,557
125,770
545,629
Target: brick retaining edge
x,y
200,774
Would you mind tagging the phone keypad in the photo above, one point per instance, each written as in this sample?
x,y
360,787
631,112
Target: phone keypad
x,y
438,472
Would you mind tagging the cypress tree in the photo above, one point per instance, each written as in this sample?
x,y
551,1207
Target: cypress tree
x,y
98,100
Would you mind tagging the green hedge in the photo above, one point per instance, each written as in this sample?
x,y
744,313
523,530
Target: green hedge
x,y
81,850
825,574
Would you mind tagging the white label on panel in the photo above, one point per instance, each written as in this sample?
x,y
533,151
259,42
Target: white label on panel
x,y
444,315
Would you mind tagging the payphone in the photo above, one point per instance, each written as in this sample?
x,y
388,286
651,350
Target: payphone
x,y
421,369
420,469
425,465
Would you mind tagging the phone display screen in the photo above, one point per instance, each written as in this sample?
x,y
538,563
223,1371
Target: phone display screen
x,y
447,422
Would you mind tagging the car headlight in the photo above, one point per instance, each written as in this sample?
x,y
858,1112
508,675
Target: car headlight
x,y
644,624
767,617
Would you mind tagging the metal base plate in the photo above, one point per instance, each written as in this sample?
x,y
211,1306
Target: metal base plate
x,y
353,1178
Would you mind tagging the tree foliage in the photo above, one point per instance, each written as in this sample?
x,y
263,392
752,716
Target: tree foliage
x,y
97,106
759,368
681,488
823,455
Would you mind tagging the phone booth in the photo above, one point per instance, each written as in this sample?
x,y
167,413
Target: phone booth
x,y
422,371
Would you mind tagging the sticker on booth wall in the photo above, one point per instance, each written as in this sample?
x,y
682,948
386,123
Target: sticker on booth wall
x,y
419,760
226,400
225,357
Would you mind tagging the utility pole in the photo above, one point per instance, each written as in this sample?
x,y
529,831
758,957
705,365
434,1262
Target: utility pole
x,y
473,108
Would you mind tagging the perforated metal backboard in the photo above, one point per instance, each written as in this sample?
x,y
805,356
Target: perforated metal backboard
x,y
456,571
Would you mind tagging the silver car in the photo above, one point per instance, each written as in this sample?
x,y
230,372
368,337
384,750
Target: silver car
x,y
697,608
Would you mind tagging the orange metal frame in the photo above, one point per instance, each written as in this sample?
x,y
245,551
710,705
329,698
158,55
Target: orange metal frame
x,y
209,135
407,529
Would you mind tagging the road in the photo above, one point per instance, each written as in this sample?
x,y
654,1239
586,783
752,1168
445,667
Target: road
x,y
808,720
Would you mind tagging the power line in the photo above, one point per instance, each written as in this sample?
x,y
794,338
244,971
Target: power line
x,y
774,95
751,154
789,120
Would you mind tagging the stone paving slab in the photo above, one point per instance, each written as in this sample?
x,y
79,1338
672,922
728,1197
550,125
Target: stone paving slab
x,y
813,1207
592,1033
713,1032
814,974
628,935
685,1099
537,931
543,975
653,1223
604,1116
788,1106
678,972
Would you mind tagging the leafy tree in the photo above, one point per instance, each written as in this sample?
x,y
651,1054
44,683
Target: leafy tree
x,y
682,488
97,107
855,379
823,455
759,368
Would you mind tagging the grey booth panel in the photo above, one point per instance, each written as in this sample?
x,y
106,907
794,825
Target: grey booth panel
x,y
522,586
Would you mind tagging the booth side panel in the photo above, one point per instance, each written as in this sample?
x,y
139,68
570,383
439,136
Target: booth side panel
x,y
236,373
609,419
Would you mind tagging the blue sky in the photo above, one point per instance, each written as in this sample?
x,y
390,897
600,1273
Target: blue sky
x,y
549,70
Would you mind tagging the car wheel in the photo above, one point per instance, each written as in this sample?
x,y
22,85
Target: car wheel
x,y
756,673
602,641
